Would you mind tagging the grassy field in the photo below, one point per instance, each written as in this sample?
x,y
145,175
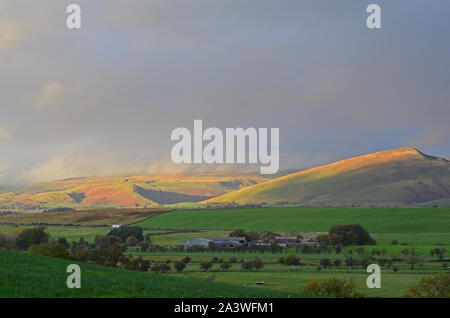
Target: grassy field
x,y
375,220
25,275
392,285
422,228
293,279
83,217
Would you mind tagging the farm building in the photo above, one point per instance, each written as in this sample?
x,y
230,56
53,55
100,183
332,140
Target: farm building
x,y
229,242
287,241
197,242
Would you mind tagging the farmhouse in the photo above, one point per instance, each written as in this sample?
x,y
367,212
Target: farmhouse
x,y
229,242
201,242
288,241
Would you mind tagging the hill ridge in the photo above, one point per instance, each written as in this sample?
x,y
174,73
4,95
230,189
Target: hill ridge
x,y
397,168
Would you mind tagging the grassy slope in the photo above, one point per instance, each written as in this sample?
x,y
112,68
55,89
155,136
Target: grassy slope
x,y
395,177
376,220
25,275
119,191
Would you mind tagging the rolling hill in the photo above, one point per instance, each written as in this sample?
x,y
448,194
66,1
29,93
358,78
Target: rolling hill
x,y
135,191
388,178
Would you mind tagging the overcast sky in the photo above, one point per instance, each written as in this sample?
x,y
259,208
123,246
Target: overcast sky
x,y
103,100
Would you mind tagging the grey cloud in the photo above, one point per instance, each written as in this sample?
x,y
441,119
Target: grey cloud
x,y
138,69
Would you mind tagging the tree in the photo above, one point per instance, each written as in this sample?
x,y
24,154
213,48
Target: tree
x,y
437,286
325,262
247,266
179,266
323,240
164,268
337,262
186,260
34,236
412,258
291,259
258,263
249,236
126,231
102,241
205,265
353,234
63,241
131,241
350,260
144,246
439,252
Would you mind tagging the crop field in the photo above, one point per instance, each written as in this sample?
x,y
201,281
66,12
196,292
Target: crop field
x,y
317,219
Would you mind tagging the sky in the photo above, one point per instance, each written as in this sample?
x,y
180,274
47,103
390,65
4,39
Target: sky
x,y
103,100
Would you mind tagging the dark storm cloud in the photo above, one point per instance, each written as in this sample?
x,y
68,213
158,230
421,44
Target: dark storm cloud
x,y
104,99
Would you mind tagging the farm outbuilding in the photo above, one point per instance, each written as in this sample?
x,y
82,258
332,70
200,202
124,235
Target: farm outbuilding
x,y
197,242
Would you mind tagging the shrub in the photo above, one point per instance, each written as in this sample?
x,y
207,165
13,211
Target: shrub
x,y
258,263
337,262
102,241
7,242
437,286
49,249
164,268
186,260
247,266
34,236
331,287
136,264
291,259
205,265
225,266
325,262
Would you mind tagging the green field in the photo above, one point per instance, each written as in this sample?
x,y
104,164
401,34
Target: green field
x,y
70,233
320,219
392,285
25,275
423,228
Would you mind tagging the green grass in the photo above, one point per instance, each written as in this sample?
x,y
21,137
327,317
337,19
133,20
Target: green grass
x,y
25,275
317,219
70,233
392,285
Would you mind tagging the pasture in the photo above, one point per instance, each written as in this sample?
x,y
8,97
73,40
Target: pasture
x,y
25,275
303,219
